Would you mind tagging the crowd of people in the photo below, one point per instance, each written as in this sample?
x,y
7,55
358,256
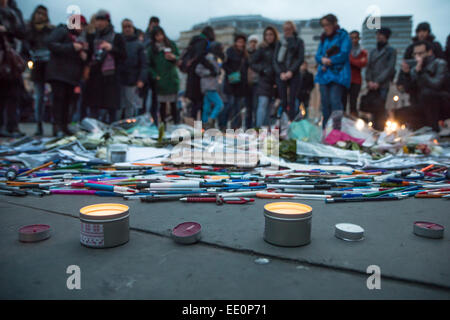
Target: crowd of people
x,y
94,70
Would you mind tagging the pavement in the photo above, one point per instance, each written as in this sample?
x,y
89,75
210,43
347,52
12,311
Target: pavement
x,y
222,265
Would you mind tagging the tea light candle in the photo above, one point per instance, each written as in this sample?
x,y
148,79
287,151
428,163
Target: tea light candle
x,y
428,230
349,232
187,233
34,233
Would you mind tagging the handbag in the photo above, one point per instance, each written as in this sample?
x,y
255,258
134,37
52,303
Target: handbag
x,y
11,63
236,77
371,102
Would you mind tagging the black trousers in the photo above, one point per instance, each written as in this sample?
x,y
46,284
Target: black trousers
x,y
62,98
288,100
9,103
430,101
173,111
352,94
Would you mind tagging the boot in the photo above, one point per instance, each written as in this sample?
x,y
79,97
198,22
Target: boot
x,y
39,130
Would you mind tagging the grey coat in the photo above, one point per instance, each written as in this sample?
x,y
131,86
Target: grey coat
x,y
381,66
208,82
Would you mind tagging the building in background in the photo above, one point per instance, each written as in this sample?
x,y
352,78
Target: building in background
x,y
226,27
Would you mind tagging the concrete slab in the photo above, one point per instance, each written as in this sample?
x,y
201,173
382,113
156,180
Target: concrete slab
x,y
154,267
389,244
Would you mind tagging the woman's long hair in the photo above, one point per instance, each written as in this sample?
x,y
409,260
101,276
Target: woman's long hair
x,y
331,18
153,34
39,7
275,32
293,26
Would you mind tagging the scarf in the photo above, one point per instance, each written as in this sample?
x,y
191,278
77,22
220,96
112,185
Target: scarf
x,y
283,49
381,45
108,65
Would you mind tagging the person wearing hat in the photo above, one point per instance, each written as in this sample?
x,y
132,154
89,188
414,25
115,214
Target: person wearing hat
x,y
68,55
236,68
107,51
380,72
429,77
423,33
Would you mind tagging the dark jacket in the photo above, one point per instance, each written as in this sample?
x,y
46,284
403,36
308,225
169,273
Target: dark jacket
x,y
307,85
199,48
294,57
159,66
11,18
65,64
437,48
135,66
103,90
36,45
432,76
235,62
381,66
262,63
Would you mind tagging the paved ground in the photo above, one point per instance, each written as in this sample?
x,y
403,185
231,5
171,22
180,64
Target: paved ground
x,y
221,266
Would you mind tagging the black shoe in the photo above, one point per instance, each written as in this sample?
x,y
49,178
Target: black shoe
x,y
39,131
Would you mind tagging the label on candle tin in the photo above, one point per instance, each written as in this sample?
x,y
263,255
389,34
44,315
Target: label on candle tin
x,y
92,235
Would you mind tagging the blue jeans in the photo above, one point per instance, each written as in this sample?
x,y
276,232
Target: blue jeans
x,y
211,97
39,94
232,109
331,98
262,112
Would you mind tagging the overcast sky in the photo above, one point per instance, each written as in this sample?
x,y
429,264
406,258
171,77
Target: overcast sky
x,y
180,15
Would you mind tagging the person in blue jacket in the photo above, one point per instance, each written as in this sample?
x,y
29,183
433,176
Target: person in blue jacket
x,y
334,73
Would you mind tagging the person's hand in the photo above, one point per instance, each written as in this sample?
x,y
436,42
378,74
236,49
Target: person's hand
x,y
419,64
326,61
106,46
2,28
140,84
376,85
158,78
83,55
405,67
170,56
288,75
77,46
283,76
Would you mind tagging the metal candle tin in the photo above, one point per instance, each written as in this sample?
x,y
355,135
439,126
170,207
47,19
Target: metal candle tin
x,y
104,225
428,230
187,233
287,224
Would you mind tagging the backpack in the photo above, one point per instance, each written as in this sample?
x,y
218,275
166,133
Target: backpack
x,y
188,57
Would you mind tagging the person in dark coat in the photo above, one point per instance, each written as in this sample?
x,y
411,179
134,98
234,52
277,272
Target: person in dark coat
x,y
38,29
423,33
107,53
67,58
250,99
380,72
306,86
195,54
429,76
12,28
447,51
235,67
133,72
289,56
150,97
262,63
